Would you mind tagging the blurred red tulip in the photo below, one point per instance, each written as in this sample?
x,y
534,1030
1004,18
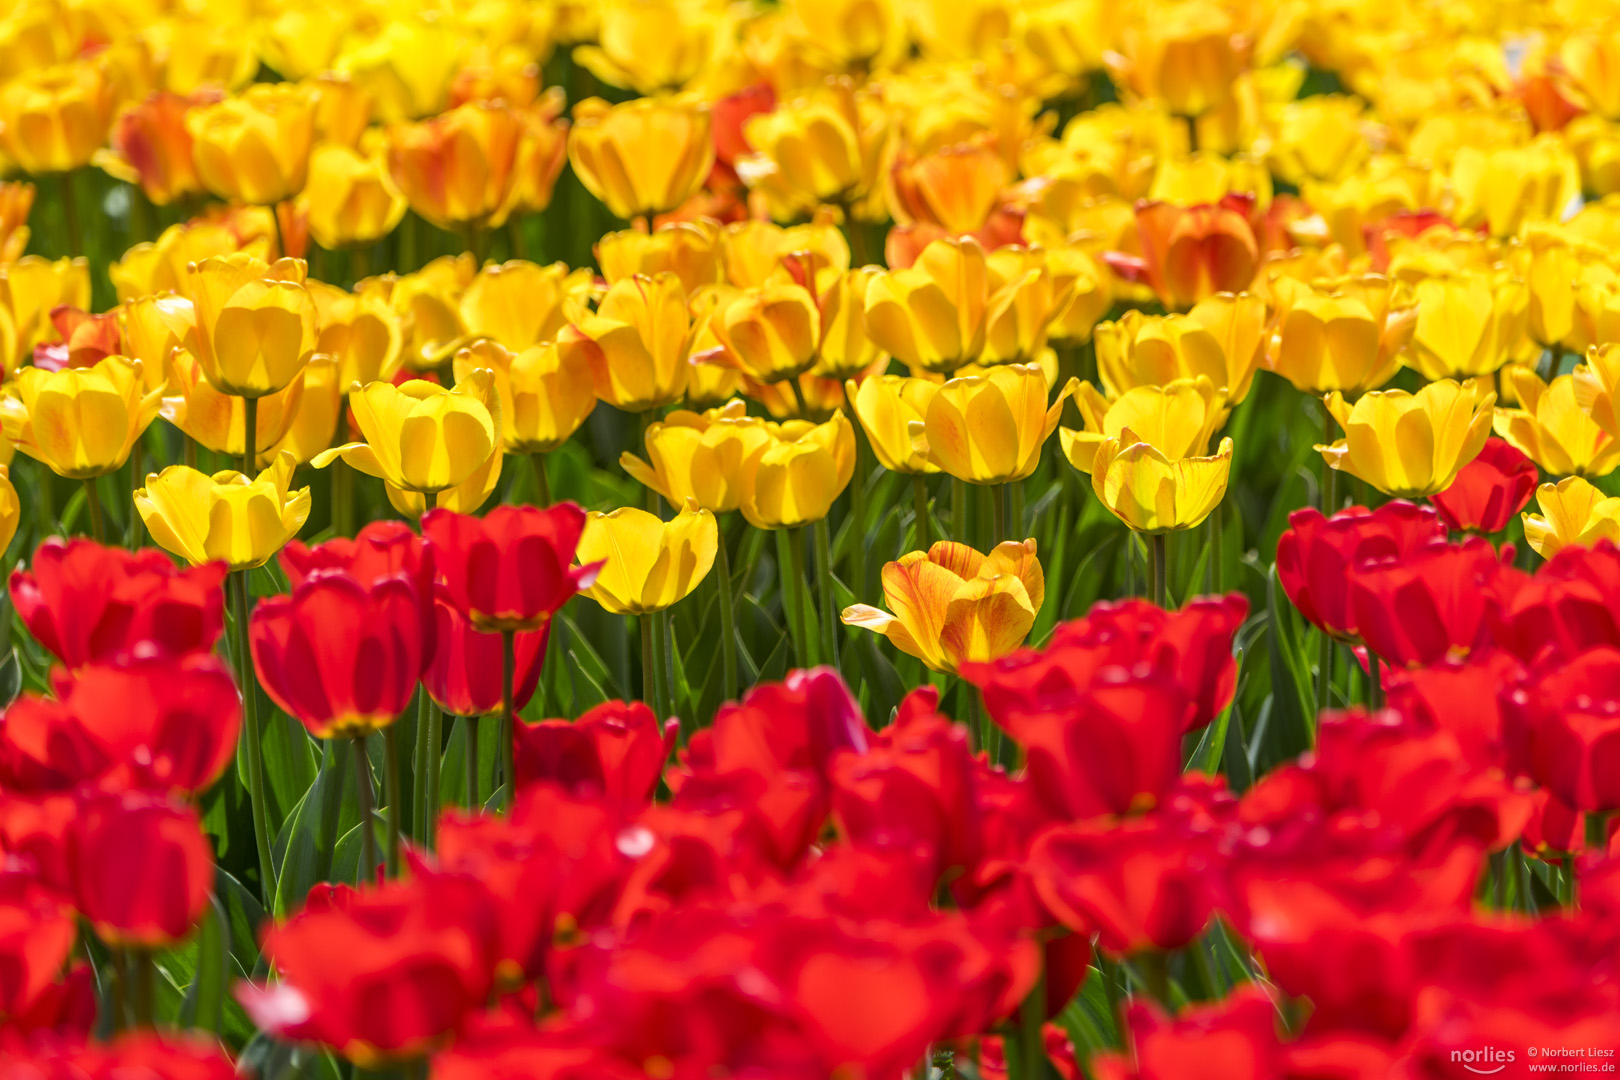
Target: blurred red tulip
x,y
86,339
1562,728
730,113
86,602
1317,556
153,723
615,751
1240,1032
1565,609
37,933
1460,696
464,676
1489,491
139,1055
1425,604
512,568
142,868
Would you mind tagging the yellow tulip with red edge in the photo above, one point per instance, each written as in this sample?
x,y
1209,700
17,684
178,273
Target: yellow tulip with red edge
x,y
700,457
643,157
1178,419
255,147
989,429
637,343
544,399
458,169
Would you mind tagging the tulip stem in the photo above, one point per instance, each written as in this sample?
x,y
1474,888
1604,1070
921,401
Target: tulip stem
x,y
136,525
142,985
824,585
430,798
1192,134
919,497
998,513
1015,516
857,515
281,238
1159,567
959,501
508,716
419,757
1330,475
250,435
798,396
1375,683
649,662
801,607
728,630
391,779
542,486
70,213
1324,673
253,740
98,527
368,836
473,802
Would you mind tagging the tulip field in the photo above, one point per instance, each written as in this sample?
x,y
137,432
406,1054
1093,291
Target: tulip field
x,y
809,540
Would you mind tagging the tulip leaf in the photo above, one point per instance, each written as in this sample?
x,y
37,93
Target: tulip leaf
x,y
587,662
10,678
244,916
309,838
1089,1018
453,771
346,862
289,761
268,1058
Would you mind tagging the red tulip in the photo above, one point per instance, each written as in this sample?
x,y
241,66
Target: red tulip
x,y
1425,604
381,549
342,657
1563,729
85,602
1553,830
1489,491
142,868
382,975
140,1055
1234,1038
1460,696
1317,556
616,752
464,677
511,569
730,113
154,723
1566,608
34,838
37,933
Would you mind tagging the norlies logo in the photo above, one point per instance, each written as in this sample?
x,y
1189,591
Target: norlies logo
x,y
1484,1061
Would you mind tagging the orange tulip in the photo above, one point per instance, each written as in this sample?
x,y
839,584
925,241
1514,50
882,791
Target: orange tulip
x,y
458,169
151,146
1192,252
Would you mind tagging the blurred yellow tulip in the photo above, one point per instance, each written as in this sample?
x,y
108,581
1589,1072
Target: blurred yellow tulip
x,y
811,150
1550,429
887,406
351,200
1025,296
1573,512
1321,137
53,120
855,33
638,342
769,332
1178,419
10,509
406,66
520,304
755,252
954,605
255,147
1076,273
32,286
81,422
932,315
647,564
256,322
230,517
314,424
1151,493
1222,337
700,457
1410,445
1467,324
1551,264
160,266
793,479
543,399
152,328
846,346
1187,56
650,45
1340,334
989,429
1597,387
1506,187
361,333
688,249
643,157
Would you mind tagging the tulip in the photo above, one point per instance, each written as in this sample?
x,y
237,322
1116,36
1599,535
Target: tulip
x,y
542,151
142,868
647,564
1322,137
1560,729
769,332
219,421
1410,445
1467,324
853,32
86,340
543,400
340,655
464,675
794,478
255,147
230,517
1178,419
614,752
1192,253
1564,609
509,571
1550,428
1551,267
644,157
161,266
381,550
956,606
846,347
10,510
406,67
932,315
89,604
1488,491
650,45
32,287
1425,604
16,200
343,109
1504,188
1597,387
1010,422
1151,493
256,322
754,253
887,406
688,249
637,343
1573,513
81,422
351,199
314,421
520,304
1344,335
361,333
1222,337
700,457
954,187
811,148
1187,57
53,119
151,146
458,169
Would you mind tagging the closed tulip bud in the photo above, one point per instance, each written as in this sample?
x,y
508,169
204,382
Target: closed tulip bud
x,y
1191,253
700,457
688,249
811,148
458,169
151,146
1222,338
315,418
887,406
520,304
1186,57
1506,187
142,868
81,422
644,157
1178,419
648,564
256,322
1410,445
464,676
794,478
846,347
1151,493
255,148
1488,491
511,569
770,332
32,287
932,315
1550,428
229,517
351,199
1011,421
10,509
1467,324
955,606
1573,513
638,342
1344,334
361,333
649,45
218,420
543,399
52,120
954,187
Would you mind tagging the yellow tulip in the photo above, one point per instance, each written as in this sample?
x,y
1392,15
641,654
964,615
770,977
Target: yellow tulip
x,y
1340,334
1591,58
1597,387
650,45
955,606
688,249
1573,512
10,509
1467,324
1024,299
755,252
53,120
230,517
1322,137
217,420
853,32
1550,429
1410,445
637,344
1186,56
647,564
1076,273
32,286
428,304
989,429
458,169
543,399
810,150
160,266
769,332
342,109
1550,262
360,332
81,422
644,157
152,328
421,437
315,418
255,147
520,304
932,315
1597,307
1178,419
204,53
256,322
407,67
700,457
1507,187
887,406
351,200
794,478
846,346
542,151
1151,493
1222,337
1385,185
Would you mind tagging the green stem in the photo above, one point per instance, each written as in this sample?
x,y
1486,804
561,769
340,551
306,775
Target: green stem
x,y
342,477
644,421
998,514
1375,684
98,527
542,486
1324,672
250,436
1212,569
137,529
1032,1041
70,213
803,651
508,716
367,871
431,796
359,263
331,807
798,396
1192,134
253,740
142,985
919,498
1158,567
392,782
47,504
1330,475
419,760
824,586
1015,517
474,803
649,663
728,630
857,514
281,239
